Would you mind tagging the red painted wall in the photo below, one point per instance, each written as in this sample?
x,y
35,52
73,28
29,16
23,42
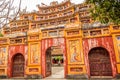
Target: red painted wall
x,y
105,42
13,50
45,44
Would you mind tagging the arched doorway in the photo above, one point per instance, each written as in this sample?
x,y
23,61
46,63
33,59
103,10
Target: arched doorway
x,y
18,65
48,62
99,62
54,62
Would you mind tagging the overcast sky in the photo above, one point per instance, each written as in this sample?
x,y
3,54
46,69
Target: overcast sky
x,y
31,4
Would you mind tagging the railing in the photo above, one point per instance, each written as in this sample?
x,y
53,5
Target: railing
x,y
32,31
93,25
15,34
58,10
68,14
3,40
96,32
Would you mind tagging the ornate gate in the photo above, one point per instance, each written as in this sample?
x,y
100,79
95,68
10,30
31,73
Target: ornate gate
x,y
18,66
99,61
48,62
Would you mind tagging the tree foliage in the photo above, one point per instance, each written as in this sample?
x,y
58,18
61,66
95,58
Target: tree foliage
x,y
1,35
8,12
106,11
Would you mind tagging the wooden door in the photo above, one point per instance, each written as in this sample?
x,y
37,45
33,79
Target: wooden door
x,y
99,62
18,66
48,63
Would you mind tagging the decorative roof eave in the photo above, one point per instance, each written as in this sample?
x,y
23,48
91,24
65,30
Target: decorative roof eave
x,y
60,4
70,7
14,35
94,25
19,20
29,13
54,27
62,17
72,26
82,4
3,38
20,26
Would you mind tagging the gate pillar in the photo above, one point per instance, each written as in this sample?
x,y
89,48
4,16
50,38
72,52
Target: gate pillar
x,y
34,55
75,58
3,57
116,40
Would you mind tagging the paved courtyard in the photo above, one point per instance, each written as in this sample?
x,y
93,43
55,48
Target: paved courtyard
x,y
57,73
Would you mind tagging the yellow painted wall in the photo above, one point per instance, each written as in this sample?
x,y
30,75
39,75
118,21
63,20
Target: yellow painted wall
x,y
75,56
3,59
116,42
34,54
33,70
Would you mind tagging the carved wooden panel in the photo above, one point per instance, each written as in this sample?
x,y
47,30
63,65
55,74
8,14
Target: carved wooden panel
x,y
96,32
2,71
53,33
74,55
3,41
72,33
33,69
44,34
85,33
116,27
3,56
18,40
76,69
34,37
61,33
105,31
34,53
99,62
18,66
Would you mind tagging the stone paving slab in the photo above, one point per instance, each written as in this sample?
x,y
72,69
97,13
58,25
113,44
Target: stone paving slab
x,y
61,79
58,74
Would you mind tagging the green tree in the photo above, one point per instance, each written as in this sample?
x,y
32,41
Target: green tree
x,y
106,11
1,35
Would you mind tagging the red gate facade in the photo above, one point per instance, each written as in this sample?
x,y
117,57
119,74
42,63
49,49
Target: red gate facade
x,y
45,44
13,50
105,42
